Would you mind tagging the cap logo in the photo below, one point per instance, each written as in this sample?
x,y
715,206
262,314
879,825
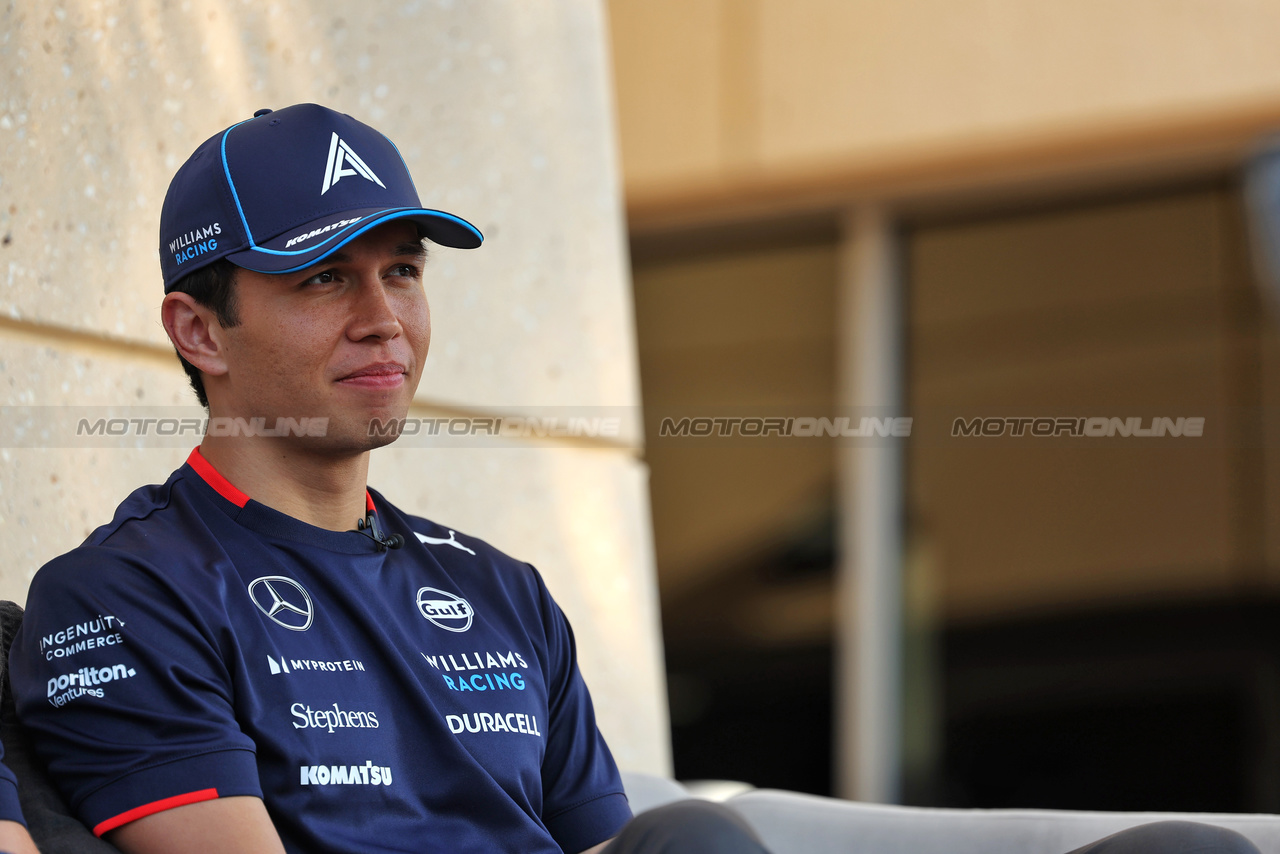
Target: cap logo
x,y
340,157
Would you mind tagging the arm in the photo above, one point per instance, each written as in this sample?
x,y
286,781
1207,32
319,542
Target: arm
x,y
14,839
583,797
139,716
225,826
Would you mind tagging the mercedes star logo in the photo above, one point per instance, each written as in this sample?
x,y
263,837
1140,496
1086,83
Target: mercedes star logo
x,y
284,601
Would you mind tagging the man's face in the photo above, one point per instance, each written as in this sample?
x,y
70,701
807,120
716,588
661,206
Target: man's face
x,y
343,340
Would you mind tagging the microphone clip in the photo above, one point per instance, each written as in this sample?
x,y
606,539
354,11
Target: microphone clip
x,y
369,527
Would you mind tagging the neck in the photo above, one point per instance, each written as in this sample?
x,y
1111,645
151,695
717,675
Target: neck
x,y
319,489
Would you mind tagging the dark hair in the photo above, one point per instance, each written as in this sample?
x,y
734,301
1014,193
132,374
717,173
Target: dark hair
x,y
213,286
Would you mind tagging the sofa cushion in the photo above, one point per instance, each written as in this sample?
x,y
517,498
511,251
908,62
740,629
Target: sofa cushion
x,y
791,823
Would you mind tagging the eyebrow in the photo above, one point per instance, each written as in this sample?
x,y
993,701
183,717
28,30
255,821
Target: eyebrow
x,y
409,248
414,249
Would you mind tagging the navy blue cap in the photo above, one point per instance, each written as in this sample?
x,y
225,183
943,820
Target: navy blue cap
x,y
281,191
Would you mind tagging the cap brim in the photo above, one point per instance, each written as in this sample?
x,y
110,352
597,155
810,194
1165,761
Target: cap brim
x,y
309,244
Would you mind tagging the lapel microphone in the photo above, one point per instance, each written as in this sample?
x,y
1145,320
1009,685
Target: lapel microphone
x,y
368,527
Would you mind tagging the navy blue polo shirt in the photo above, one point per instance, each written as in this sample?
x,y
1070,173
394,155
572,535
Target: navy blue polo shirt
x,y
203,645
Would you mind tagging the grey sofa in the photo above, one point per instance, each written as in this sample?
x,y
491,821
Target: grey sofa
x,y
791,823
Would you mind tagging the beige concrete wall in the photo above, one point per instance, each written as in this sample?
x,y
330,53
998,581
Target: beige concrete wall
x,y
724,95
502,110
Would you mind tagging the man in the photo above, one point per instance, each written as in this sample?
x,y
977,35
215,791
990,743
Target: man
x,y
261,654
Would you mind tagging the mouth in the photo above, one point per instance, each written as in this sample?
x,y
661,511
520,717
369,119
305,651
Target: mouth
x,y
379,375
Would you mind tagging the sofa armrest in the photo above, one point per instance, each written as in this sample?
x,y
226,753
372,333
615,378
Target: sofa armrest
x,y
646,791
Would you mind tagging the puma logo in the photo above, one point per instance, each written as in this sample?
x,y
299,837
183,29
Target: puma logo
x,y
423,538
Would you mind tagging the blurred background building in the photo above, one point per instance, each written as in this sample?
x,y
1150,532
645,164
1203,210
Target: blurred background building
x,y
941,210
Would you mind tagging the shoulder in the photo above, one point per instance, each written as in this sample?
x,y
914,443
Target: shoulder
x,y
150,510
157,529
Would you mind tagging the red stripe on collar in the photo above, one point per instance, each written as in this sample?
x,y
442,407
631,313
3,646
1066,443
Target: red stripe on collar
x,y
225,488
210,475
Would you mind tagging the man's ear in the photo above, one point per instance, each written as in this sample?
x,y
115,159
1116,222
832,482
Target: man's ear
x,y
195,332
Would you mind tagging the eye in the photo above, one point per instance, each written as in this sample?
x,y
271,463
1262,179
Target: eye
x,y
407,271
326,277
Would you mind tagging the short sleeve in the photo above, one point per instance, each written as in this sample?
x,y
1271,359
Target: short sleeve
x,y
583,798
10,808
122,681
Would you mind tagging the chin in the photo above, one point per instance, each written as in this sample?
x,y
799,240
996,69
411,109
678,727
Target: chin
x,y
358,431
379,429
383,438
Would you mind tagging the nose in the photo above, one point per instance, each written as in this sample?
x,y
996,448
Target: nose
x,y
373,316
